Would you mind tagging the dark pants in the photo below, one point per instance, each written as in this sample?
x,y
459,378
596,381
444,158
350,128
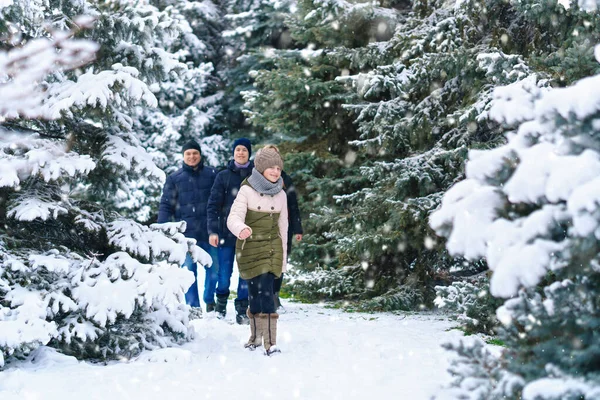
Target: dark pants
x,y
260,294
277,284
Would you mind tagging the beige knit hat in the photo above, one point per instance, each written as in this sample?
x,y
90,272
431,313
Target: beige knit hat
x,y
267,157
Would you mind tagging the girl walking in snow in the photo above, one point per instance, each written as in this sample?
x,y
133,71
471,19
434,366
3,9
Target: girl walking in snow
x,y
259,219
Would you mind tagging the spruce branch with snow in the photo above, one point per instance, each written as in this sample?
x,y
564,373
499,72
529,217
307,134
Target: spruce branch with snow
x,y
74,273
535,205
470,300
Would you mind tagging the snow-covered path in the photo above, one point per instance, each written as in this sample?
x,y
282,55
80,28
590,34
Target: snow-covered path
x,y
326,354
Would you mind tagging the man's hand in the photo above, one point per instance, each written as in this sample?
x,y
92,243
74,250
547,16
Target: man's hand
x,y
245,233
213,240
298,237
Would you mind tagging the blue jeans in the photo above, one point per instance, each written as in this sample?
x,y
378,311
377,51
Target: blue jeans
x,y
219,281
191,296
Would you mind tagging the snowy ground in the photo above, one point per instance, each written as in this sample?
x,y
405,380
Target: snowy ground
x,y
326,354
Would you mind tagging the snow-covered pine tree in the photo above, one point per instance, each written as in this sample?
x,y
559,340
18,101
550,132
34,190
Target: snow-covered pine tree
x,y
378,153
73,273
558,42
470,300
256,23
297,102
531,208
189,98
254,29
416,118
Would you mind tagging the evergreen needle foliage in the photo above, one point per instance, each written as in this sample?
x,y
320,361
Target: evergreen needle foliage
x,y
78,82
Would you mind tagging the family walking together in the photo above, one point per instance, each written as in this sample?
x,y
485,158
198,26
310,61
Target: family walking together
x,y
247,212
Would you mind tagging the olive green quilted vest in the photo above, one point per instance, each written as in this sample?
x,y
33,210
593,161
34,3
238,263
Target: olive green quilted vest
x,y
263,251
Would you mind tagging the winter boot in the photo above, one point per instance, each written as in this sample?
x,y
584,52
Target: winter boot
x,y
241,317
270,333
210,307
256,330
221,305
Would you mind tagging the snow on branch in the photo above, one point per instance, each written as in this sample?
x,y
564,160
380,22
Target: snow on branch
x,y
523,204
116,286
76,300
106,89
23,155
155,241
130,156
24,69
514,103
29,209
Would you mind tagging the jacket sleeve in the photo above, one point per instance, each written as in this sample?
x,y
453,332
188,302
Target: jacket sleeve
x,y
168,201
215,205
236,222
292,203
283,230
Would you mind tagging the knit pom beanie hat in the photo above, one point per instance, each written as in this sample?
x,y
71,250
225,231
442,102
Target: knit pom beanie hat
x,y
267,157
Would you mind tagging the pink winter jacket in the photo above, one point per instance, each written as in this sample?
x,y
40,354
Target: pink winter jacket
x,y
249,199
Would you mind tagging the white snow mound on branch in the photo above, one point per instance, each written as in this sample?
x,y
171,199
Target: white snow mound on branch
x,y
151,242
560,388
549,165
99,91
25,321
105,293
24,69
515,103
22,156
117,151
33,208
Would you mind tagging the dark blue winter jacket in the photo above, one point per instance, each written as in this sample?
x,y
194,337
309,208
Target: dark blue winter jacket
x,y
185,197
295,225
226,186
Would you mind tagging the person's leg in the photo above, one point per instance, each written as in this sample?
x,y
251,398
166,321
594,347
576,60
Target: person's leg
x,y
265,293
270,317
241,302
242,289
223,282
226,257
276,288
256,318
212,272
191,296
277,283
253,295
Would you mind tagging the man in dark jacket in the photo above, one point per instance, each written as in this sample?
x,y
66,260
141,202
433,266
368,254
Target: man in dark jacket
x,y
184,198
222,195
294,230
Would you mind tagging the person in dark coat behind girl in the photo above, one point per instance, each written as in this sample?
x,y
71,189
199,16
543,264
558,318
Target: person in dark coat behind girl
x,y
295,228
184,198
259,219
226,186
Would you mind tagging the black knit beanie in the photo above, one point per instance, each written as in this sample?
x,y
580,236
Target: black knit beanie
x,y
192,144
